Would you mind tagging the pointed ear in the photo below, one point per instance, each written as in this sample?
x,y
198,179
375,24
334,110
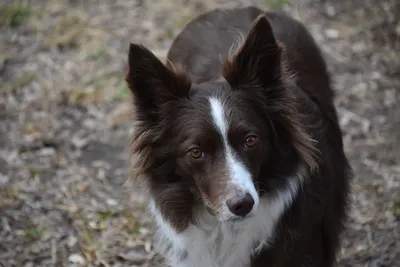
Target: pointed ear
x,y
258,60
151,83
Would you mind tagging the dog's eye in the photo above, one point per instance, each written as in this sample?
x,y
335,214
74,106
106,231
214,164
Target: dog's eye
x,y
251,141
196,153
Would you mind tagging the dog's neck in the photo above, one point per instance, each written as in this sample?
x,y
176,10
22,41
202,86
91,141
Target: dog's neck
x,y
224,244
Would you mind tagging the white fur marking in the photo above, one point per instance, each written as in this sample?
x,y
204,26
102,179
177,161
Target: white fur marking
x,y
239,175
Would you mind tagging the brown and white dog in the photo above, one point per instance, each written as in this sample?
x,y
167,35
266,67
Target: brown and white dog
x,y
237,144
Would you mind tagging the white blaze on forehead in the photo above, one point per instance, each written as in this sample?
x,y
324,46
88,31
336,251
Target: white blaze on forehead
x,y
238,173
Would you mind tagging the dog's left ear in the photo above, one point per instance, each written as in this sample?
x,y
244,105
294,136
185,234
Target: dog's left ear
x,y
258,60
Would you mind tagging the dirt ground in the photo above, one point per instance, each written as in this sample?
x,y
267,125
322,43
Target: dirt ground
x,y
64,124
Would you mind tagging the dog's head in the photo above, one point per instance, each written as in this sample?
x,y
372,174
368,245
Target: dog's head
x,y
211,145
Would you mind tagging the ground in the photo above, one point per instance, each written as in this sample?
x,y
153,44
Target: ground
x,y
65,125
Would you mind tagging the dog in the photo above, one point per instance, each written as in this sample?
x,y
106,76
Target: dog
x,y
237,144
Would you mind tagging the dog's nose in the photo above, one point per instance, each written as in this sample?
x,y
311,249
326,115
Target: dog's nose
x,y
241,205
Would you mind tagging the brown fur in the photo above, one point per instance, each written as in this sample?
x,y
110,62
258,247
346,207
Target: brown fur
x,y
276,85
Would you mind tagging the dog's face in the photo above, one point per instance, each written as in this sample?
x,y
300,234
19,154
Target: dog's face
x,y
209,145
221,143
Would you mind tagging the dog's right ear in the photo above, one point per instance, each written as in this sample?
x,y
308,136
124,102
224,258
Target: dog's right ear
x,y
258,60
151,83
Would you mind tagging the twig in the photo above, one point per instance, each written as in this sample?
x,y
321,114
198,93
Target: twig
x,y
53,252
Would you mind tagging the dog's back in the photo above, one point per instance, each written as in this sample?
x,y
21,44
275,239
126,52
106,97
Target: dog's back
x,y
207,39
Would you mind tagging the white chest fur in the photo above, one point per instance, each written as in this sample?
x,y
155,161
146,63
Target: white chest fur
x,y
214,244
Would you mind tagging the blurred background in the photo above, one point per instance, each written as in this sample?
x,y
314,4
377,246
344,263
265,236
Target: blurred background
x,y
64,123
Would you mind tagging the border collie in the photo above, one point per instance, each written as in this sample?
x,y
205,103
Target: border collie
x,y
237,144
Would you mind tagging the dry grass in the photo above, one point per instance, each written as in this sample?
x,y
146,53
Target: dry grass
x,y
64,112
14,15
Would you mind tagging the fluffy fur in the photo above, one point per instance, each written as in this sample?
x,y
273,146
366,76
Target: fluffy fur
x,y
239,151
